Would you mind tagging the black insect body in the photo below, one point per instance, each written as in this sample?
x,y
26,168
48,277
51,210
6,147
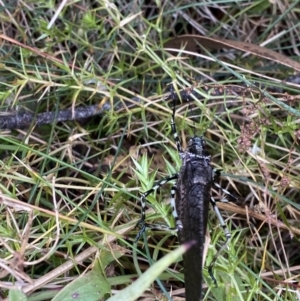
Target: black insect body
x,y
193,187
190,207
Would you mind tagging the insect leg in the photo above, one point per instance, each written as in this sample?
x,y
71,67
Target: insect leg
x,y
174,211
227,237
141,223
216,176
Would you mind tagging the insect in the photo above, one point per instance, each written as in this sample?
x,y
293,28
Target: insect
x,y
190,198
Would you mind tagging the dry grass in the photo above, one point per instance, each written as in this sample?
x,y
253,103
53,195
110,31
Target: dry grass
x,y
69,190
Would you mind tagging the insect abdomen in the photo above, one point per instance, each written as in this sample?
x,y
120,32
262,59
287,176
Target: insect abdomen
x,y
192,202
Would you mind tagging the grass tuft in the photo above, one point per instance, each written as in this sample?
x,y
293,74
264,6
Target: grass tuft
x,y
69,189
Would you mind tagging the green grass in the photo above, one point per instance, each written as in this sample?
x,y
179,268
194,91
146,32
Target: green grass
x,y
70,190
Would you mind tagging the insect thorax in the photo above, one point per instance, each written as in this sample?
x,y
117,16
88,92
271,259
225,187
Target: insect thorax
x,y
196,149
